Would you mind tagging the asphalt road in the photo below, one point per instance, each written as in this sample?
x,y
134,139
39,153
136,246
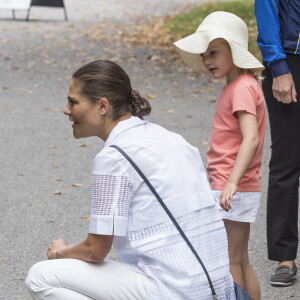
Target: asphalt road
x,y
41,162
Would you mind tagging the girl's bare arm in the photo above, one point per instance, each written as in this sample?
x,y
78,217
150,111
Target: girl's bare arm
x,y
246,153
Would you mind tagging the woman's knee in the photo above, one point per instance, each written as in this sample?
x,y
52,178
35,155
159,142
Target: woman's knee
x,y
35,281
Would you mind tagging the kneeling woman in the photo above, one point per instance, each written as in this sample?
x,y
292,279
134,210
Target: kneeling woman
x,y
156,261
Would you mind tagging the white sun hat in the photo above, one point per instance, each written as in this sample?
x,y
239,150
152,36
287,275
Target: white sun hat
x,y
219,24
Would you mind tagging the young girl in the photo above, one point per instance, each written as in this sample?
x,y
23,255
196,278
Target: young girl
x,y
234,157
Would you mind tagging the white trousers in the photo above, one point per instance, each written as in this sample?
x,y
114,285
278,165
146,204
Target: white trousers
x,y
64,279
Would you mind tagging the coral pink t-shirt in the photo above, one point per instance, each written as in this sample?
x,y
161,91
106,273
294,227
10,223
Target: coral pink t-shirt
x,y
243,94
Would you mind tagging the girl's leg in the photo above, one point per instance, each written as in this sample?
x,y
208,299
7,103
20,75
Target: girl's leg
x,y
236,237
240,268
78,280
251,283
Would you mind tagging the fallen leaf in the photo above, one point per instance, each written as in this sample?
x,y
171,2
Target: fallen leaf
x,y
212,98
150,96
162,62
171,111
198,91
217,80
57,193
78,184
82,145
52,147
49,221
194,95
155,57
58,179
205,143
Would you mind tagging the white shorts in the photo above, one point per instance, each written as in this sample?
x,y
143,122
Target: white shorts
x,y
245,206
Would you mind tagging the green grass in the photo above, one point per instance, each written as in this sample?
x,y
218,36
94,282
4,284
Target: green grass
x,y
187,23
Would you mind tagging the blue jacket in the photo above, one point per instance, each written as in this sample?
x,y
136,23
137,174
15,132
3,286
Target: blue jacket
x,y
278,23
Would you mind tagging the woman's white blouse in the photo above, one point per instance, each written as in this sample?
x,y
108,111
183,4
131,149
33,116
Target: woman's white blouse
x,y
144,237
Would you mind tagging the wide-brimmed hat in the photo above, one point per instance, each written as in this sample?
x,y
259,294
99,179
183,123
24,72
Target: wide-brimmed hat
x,y
224,25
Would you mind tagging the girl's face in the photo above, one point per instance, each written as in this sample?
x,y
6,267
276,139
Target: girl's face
x,y
84,114
218,61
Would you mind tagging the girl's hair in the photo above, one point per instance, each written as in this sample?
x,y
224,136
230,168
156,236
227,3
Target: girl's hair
x,y
106,79
256,73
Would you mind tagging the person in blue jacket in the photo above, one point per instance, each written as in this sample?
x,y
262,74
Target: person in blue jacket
x,y
278,23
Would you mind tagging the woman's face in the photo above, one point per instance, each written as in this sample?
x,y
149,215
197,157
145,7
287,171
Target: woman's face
x,y
84,114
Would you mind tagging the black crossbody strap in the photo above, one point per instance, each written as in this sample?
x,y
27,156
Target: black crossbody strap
x,y
169,214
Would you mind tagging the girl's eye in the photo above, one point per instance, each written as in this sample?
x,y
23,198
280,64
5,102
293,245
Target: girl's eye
x,y
213,52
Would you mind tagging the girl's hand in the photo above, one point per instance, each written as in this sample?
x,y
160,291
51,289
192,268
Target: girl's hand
x,y
226,196
55,245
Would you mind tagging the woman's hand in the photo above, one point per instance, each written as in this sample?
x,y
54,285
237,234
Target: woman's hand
x,y
93,249
226,196
55,245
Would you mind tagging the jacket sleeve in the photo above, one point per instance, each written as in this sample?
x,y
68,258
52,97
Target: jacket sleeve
x,y
269,37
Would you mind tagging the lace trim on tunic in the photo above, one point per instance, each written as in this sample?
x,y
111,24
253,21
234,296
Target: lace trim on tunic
x,y
111,195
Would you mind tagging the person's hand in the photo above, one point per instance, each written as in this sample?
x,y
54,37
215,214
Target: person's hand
x,y
55,245
284,88
226,196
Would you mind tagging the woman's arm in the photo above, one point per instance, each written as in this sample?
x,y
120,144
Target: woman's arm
x,y
93,249
246,153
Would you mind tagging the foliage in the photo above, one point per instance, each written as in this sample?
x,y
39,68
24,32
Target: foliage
x,y
187,23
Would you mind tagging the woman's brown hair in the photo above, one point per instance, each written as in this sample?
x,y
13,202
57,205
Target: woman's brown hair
x,y
106,79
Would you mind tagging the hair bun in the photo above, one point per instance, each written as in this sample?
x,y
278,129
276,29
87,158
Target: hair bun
x,y
140,106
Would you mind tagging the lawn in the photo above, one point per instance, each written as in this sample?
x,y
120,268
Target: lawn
x,y
187,23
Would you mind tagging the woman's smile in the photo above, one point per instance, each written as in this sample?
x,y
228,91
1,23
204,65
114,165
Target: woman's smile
x,y
83,112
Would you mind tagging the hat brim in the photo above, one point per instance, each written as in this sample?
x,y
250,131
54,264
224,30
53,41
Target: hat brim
x,y
242,58
193,45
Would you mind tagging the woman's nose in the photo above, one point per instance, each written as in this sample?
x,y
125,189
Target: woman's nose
x,y
66,110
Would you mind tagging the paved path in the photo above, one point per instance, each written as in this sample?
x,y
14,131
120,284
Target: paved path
x,y
36,63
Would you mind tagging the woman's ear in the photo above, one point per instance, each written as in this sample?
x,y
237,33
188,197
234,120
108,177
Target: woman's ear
x,y
103,106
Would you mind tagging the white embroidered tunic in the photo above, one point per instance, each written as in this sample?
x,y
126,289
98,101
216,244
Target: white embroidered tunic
x,y
144,237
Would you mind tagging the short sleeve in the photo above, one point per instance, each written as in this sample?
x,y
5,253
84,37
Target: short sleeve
x,y
244,98
110,195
